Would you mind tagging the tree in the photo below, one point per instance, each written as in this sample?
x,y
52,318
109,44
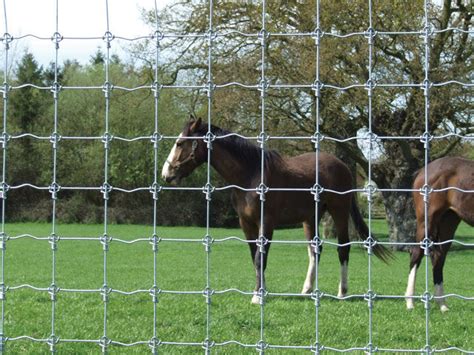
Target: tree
x,y
397,111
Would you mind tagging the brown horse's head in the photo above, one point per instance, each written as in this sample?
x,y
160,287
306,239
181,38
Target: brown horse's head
x,y
187,154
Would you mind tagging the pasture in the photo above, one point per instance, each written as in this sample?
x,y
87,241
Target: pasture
x,y
182,317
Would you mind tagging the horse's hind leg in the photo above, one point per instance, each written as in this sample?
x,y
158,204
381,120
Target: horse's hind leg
x,y
340,215
447,226
309,232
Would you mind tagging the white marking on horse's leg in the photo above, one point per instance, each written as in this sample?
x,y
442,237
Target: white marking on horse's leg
x,y
439,292
308,283
255,298
165,172
343,283
411,288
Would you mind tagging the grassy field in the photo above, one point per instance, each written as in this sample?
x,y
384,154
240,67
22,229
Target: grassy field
x,y
182,318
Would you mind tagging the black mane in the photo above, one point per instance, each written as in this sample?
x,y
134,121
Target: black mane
x,y
242,149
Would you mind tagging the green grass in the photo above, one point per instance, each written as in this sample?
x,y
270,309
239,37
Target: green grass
x,y
182,318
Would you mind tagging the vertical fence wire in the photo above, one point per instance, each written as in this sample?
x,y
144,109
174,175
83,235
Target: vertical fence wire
x,y
106,188
154,342
263,237
54,188
316,244
3,192
369,188
426,135
208,188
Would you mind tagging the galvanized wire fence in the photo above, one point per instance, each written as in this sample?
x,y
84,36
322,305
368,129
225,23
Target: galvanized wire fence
x,y
105,341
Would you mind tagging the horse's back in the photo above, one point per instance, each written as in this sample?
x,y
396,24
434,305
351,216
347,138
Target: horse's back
x,y
444,174
447,172
332,172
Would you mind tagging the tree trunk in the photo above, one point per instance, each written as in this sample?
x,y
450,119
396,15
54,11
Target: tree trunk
x,y
400,217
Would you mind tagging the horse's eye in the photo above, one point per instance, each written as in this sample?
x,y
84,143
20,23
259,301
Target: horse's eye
x,y
179,144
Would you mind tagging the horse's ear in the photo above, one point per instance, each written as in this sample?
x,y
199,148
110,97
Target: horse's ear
x,y
195,125
192,117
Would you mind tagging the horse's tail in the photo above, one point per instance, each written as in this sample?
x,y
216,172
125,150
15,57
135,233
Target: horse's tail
x,y
380,251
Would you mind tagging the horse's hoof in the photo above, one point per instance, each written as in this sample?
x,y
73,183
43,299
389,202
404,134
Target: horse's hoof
x,y
410,304
443,308
255,299
306,290
341,295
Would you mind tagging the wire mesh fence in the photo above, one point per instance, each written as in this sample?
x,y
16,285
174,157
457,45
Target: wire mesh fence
x,y
207,242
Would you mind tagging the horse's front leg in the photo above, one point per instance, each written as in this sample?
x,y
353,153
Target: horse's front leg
x,y
260,261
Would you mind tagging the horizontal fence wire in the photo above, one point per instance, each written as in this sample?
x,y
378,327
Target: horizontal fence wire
x,y
107,239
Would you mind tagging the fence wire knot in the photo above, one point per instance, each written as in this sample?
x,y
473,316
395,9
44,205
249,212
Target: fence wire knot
x,y
208,189
108,37
54,139
426,298
426,86
370,348
262,138
207,293
317,190
370,297
261,190
316,348
210,88
56,38
4,187
3,292
369,243
426,244
370,34
3,240
154,292
154,343
107,87
261,346
4,138
208,139
104,343
53,291
155,190
425,191
317,35
53,240
316,296
52,341
7,39
105,292
105,240
370,189
207,241
158,35
156,89
207,344
261,242
370,86
317,244
54,189
154,241
263,86
105,189
317,86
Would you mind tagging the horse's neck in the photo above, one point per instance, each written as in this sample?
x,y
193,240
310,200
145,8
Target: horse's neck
x,y
232,169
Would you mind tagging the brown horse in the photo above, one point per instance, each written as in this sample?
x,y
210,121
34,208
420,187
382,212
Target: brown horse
x,y
445,210
239,163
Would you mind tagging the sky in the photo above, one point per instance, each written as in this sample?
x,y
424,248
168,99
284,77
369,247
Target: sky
x,y
79,18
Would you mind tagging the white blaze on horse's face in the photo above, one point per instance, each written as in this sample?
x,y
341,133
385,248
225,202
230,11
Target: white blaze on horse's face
x,y
166,172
